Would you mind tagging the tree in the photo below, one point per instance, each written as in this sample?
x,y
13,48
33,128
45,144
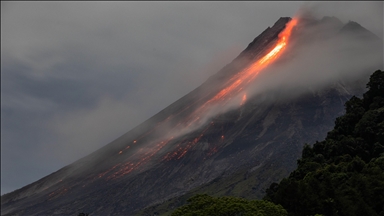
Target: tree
x,y
205,205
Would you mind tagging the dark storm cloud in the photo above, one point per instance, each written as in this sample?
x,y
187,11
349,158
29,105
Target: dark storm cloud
x,y
77,75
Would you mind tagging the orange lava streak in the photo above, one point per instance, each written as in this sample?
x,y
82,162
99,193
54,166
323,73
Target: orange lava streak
x,y
250,73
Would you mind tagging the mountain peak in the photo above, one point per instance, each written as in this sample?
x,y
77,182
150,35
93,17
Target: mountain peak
x,y
269,34
353,26
358,30
283,20
331,19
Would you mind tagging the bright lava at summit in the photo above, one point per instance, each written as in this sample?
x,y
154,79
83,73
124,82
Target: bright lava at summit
x,y
247,75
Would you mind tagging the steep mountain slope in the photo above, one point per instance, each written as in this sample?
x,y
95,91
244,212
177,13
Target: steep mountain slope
x,y
175,151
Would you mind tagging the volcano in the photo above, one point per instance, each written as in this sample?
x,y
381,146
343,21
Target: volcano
x,y
217,132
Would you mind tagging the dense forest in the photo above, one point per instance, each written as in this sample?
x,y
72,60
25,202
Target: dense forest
x,y
341,175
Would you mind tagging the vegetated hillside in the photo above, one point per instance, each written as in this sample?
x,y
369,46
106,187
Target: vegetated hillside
x,y
344,174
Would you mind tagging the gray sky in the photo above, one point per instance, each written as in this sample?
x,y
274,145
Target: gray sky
x,y
77,75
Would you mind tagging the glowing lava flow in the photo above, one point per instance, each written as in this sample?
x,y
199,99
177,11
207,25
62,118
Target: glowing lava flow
x,y
235,86
243,79
250,73
247,75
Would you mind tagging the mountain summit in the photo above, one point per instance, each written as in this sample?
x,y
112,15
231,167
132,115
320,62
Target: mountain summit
x,y
218,131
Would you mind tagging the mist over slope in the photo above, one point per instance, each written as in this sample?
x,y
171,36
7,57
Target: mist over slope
x,y
292,101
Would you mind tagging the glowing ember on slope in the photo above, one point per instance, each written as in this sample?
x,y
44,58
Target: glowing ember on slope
x,y
212,151
243,100
190,145
180,152
57,193
102,174
130,166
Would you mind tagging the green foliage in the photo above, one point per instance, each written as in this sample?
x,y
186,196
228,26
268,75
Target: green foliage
x,y
344,174
203,204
